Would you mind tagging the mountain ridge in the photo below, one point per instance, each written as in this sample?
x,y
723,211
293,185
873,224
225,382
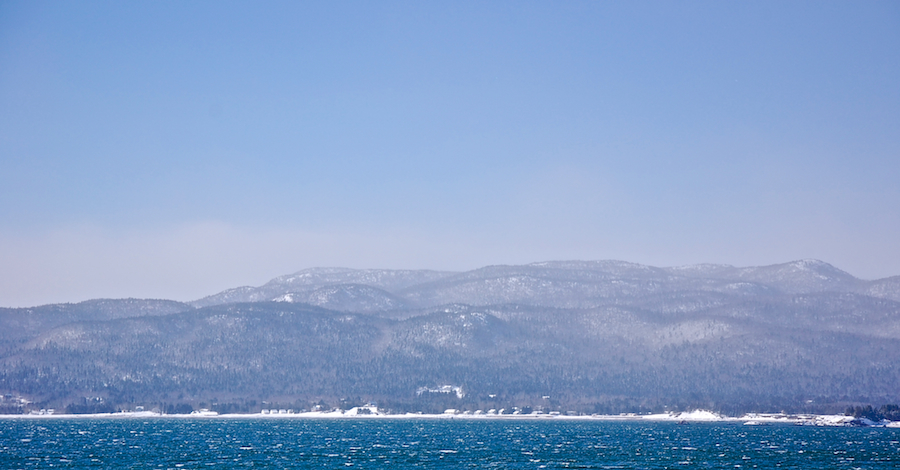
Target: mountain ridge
x,y
788,276
596,336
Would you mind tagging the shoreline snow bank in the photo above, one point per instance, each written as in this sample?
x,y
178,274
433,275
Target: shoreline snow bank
x,y
696,416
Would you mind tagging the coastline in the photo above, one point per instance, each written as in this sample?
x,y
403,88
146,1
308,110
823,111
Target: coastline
x,y
696,416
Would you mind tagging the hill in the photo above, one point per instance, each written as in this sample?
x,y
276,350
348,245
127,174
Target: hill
x,y
603,336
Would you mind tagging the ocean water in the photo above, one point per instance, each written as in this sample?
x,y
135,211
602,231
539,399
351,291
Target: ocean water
x,y
183,443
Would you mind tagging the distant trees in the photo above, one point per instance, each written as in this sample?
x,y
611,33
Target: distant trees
x,y
653,350
888,412
90,405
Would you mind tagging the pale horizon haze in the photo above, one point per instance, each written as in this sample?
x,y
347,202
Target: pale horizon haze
x,y
177,149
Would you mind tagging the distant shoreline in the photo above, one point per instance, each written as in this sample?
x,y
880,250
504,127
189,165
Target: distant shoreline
x,y
698,416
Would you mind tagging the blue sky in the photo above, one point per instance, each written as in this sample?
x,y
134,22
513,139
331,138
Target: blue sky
x,y
175,149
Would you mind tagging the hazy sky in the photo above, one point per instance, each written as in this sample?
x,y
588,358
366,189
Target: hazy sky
x,y
175,149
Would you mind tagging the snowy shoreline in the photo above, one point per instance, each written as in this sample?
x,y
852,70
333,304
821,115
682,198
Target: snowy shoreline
x,y
697,416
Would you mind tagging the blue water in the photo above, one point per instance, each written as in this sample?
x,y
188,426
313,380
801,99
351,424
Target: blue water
x,y
527,444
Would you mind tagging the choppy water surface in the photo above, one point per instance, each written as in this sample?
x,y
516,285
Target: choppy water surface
x,y
531,444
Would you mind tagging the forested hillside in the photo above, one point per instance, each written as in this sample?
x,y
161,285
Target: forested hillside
x,y
566,336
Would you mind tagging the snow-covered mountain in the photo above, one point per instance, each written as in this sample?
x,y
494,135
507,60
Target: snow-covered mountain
x,y
562,284
594,335
310,279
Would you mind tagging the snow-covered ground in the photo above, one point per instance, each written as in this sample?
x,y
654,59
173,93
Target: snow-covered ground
x,y
372,412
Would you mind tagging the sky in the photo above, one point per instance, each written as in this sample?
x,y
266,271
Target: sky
x,y
176,149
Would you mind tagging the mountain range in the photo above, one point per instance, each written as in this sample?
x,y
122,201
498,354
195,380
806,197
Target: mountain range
x,y
579,336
